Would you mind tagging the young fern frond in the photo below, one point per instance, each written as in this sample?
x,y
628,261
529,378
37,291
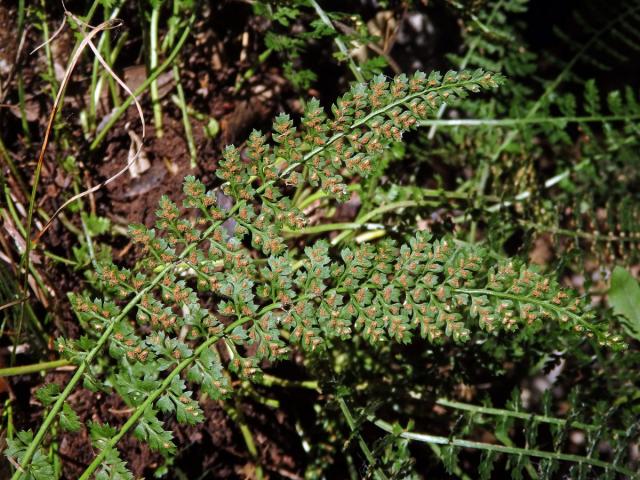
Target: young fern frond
x,y
218,272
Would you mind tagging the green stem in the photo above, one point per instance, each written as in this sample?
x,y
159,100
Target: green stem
x,y
58,258
236,415
304,202
360,222
117,113
49,55
114,53
36,367
193,155
153,63
511,413
633,237
324,227
528,452
363,445
355,69
508,122
268,380
97,78
378,211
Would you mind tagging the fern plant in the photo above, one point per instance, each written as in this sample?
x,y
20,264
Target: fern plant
x,y
509,139
218,291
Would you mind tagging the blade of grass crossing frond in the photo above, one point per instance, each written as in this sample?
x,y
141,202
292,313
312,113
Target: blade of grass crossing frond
x,y
457,442
508,122
355,69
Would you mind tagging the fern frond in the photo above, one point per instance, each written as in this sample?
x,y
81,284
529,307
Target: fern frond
x,y
198,284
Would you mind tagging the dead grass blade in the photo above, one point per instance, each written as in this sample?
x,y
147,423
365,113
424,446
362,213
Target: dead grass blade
x,y
132,158
86,41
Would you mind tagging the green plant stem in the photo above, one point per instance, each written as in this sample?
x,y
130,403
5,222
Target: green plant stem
x,y
324,227
236,415
528,452
304,202
268,380
115,52
378,211
193,154
355,69
632,237
117,113
21,93
88,240
58,258
423,193
363,445
153,64
509,122
511,413
96,77
556,179
8,413
36,367
49,55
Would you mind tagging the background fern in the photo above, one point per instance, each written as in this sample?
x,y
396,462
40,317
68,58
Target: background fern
x,y
375,256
